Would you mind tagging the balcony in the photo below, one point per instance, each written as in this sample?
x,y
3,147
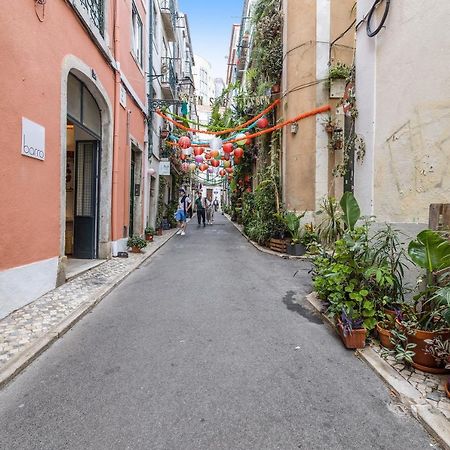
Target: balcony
x,y
169,79
169,18
95,9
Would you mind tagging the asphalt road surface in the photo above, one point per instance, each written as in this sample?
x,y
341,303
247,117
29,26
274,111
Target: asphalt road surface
x,y
203,347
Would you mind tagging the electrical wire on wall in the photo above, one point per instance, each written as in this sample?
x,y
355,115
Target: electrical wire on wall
x,y
40,4
377,3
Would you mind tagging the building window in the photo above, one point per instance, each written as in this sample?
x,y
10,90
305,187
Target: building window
x,y
96,11
137,35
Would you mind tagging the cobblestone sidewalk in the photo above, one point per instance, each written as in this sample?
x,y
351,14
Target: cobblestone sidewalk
x,y
25,327
430,386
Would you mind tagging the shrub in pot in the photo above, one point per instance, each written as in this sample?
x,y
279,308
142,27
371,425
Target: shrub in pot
x,y
149,233
292,222
136,243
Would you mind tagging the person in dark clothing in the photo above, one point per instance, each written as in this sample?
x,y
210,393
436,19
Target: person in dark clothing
x,y
200,206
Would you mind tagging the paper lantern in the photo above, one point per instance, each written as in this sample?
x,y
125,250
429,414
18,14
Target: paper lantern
x,y
222,172
185,167
238,152
237,160
203,167
183,156
248,141
215,143
187,151
227,148
215,163
226,157
262,123
192,166
229,169
210,170
214,153
208,155
184,142
151,171
226,164
242,139
199,159
198,151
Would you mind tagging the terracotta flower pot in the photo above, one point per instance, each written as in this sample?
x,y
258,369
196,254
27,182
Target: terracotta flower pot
x,y
159,232
135,250
423,360
385,337
149,237
356,339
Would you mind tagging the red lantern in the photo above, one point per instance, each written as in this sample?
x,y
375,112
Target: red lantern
x,y
262,123
184,142
248,141
227,148
222,172
198,151
208,156
215,163
203,167
229,169
238,152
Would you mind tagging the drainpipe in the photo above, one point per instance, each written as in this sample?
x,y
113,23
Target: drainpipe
x,y
115,174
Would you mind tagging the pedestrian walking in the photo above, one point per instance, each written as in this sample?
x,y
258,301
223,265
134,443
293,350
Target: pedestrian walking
x,y
189,207
209,211
180,215
216,204
200,207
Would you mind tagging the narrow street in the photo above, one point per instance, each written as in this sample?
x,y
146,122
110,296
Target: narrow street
x,y
202,348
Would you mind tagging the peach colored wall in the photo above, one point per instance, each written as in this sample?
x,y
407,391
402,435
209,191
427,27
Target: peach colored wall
x,y
32,53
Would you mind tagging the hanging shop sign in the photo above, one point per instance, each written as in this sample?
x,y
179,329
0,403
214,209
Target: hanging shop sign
x,y
164,168
33,139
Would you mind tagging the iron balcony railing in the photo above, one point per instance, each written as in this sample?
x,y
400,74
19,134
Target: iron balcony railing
x,y
96,11
169,77
169,6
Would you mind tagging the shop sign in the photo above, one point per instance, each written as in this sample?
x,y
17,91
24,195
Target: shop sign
x,y
164,168
33,139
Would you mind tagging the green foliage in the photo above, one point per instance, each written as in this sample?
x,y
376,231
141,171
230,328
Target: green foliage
x,y
430,251
136,241
402,351
339,71
292,222
331,227
149,230
351,210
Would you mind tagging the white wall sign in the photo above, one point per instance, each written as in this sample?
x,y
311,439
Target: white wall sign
x,y
33,139
164,168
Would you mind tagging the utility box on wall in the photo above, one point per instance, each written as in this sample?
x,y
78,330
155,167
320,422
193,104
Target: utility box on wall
x,y
337,87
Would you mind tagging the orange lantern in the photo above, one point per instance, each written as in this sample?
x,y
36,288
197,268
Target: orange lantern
x,y
203,167
214,153
184,142
198,151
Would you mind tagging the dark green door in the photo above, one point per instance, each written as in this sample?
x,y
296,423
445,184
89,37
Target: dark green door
x,y
85,223
132,187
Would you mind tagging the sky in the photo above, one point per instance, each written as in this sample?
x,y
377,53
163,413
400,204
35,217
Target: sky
x,y
210,24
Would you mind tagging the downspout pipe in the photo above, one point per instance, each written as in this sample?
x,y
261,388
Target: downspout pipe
x,y
116,147
150,81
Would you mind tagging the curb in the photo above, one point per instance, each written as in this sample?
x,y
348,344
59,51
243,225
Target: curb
x,y
264,249
429,416
33,351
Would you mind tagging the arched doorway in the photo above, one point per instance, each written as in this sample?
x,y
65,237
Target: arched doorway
x,y
83,157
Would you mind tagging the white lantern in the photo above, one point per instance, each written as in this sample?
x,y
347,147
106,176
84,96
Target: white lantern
x,y
215,143
187,151
243,139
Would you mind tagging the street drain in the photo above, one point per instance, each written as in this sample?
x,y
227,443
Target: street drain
x,y
291,305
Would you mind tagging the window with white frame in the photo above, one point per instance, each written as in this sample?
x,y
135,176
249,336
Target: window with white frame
x,y
137,36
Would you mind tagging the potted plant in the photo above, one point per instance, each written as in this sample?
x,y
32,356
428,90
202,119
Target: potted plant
x,y
428,318
159,228
149,233
337,77
136,243
292,222
352,333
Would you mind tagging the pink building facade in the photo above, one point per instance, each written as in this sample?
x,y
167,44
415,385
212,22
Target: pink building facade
x,y
73,141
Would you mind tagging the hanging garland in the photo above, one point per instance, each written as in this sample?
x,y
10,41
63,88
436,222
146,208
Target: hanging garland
x,y
219,133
